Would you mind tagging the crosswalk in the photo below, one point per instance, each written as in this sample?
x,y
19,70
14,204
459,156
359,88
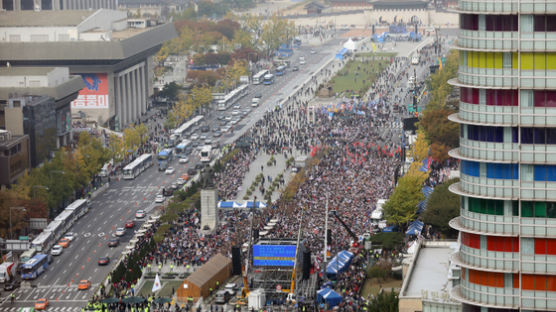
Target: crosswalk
x,y
58,293
49,309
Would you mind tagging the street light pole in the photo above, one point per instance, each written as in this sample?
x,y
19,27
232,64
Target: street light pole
x,y
19,208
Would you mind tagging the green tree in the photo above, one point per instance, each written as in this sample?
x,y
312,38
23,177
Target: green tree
x,y
420,149
384,302
441,132
170,91
132,140
401,208
442,206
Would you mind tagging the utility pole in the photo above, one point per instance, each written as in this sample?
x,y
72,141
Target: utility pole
x,y
325,238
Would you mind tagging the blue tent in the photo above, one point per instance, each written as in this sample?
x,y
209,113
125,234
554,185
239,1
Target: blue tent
x,y
329,296
427,191
415,228
339,263
340,55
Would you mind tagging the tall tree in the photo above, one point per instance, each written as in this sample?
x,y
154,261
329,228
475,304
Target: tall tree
x,y
401,207
420,149
442,206
386,301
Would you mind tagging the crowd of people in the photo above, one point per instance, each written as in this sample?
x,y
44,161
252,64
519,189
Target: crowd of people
x,y
357,152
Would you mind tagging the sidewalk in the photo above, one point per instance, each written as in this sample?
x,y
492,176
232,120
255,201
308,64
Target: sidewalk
x,y
268,171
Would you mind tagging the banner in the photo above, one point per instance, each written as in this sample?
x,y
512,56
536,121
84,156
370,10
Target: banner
x,y
156,286
95,93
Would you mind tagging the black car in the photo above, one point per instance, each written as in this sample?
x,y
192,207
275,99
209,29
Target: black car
x,y
12,285
114,242
199,166
205,129
167,191
103,260
191,171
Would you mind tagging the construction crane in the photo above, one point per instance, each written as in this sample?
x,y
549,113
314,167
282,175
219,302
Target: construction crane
x,y
355,238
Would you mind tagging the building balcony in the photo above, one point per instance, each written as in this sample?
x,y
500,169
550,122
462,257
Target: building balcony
x,y
507,6
483,260
489,77
488,114
486,151
491,188
490,297
484,224
500,41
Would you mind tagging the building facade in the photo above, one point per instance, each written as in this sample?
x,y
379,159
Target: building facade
x,y
35,101
39,5
14,157
507,118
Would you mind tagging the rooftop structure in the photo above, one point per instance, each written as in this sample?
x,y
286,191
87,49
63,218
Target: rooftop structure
x,y
113,59
429,278
45,5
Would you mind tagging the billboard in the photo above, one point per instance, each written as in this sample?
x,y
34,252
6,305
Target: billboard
x,y
95,93
274,255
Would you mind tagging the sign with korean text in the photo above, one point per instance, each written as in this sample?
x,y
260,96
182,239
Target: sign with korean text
x,y
95,93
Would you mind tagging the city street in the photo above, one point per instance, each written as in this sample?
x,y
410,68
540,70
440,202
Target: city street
x,y
112,208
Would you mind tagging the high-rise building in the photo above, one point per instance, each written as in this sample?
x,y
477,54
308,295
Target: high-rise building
x,y
507,118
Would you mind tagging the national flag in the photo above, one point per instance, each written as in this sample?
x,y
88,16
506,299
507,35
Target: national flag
x,y
156,286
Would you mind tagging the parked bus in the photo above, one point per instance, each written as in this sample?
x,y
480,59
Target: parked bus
x,y
205,153
268,79
136,167
79,208
34,267
280,70
43,242
183,148
258,78
28,254
232,97
165,156
186,126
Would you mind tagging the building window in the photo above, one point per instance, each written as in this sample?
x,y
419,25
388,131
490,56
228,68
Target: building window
x,y
527,23
538,282
470,168
490,279
502,171
501,22
486,206
469,95
507,60
469,21
503,244
545,98
538,209
471,240
485,133
545,23
502,97
545,246
545,173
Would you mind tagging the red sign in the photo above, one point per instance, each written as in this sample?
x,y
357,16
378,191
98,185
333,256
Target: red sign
x,y
95,93
278,288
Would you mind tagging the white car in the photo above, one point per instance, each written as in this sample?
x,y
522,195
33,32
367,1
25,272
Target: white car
x,y
313,52
180,181
56,250
159,198
170,170
194,137
228,118
235,121
184,160
235,113
140,214
225,129
236,107
231,288
120,231
70,236
255,101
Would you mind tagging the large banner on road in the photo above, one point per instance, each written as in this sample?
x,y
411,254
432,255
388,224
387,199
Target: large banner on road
x,y
95,93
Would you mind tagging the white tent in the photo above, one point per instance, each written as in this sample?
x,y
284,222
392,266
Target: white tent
x,y
350,45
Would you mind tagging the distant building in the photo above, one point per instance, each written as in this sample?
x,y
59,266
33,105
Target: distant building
x,y
314,8
14,157
152,7
429,275
399,4
113,59
34,5
35,101
350,3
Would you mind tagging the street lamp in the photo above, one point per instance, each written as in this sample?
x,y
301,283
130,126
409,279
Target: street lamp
x,y
11,208
35,187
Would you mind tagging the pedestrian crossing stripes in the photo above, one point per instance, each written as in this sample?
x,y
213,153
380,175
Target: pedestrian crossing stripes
x,y
50,309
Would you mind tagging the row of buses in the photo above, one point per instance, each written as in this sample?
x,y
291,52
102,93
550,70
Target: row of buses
x,y
36,260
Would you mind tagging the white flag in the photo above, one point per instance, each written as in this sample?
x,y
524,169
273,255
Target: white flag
x,y
157,286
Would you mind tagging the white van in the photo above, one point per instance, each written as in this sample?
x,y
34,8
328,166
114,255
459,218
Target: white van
x,y
415,60
255,101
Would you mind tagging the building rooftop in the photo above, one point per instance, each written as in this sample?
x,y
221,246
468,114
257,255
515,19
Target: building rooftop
x,y
430,271
43,18
25,71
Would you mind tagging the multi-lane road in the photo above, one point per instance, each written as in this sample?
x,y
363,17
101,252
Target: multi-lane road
x,y
113,207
